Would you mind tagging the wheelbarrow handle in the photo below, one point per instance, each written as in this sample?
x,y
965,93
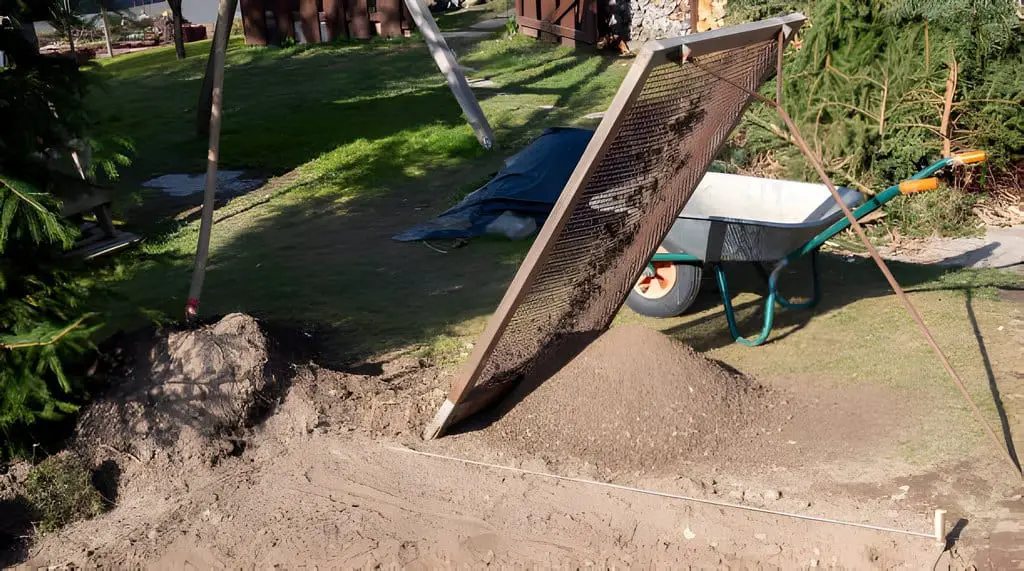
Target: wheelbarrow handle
x,y
918,185
969,157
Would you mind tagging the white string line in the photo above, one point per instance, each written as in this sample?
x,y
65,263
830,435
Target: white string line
x,y
666,494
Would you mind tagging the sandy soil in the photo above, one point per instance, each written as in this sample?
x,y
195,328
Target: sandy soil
x,y
324,480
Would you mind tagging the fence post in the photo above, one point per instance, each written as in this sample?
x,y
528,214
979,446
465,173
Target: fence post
x,y
254,22
310,16
390,13
285,22
337,25
359,19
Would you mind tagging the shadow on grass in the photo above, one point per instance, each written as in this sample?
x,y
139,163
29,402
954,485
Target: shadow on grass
x,y
844,280
383,148
286,107
993,387
279,105
325,255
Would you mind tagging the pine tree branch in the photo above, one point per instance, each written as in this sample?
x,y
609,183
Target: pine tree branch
x,y
50,341
931,128
22,196
829,67
851,107
969,101
771,127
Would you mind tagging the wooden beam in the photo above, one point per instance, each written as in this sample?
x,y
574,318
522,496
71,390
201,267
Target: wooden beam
x,y
221,37
224,17
560,31
548,7
559,12
445,60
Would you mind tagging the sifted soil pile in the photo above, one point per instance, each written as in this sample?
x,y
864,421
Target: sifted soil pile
x,y
636,400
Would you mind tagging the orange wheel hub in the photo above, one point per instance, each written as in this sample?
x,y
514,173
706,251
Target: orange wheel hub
x,y
661,282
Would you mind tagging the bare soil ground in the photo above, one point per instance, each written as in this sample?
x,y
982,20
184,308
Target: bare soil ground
x,y
321,476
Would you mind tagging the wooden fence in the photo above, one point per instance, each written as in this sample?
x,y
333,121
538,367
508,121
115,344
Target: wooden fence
x,y
570,22
310,21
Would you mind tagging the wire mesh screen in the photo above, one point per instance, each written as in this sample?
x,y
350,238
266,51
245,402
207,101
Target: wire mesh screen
x,y
664,128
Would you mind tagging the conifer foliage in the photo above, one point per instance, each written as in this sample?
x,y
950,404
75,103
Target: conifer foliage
x,y
41,323
882,87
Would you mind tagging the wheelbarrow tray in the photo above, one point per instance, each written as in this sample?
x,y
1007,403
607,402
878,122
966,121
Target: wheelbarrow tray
x,y
735,218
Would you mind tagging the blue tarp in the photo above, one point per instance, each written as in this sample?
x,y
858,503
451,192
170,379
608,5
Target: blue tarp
x,y
527,187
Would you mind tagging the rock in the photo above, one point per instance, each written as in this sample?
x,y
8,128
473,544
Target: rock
x,y
812,563
772,495
736,495
760,537
1016,498
688,534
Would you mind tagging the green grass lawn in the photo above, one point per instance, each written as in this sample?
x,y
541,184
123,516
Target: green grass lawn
x,y
364,140
371,141
466,17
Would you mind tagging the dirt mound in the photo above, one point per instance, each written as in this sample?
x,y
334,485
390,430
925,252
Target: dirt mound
x,y
392,397
182,392
635,400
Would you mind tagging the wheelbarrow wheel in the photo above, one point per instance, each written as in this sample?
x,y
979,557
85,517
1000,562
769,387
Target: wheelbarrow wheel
x,y
668,291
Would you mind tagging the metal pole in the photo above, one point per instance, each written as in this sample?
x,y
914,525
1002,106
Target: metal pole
x,y
206,223
445,61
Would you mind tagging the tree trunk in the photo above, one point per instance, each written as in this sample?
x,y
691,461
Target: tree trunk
x,y
221,36
179,39
71,43
106,32
28,28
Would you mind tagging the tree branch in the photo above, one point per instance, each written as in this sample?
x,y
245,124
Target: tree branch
x,y
851,107
24,197
50,341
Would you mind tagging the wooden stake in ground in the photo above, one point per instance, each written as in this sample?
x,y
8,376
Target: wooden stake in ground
x,y
221,37
947,107
940,527
445,60
203,248
106,31
177,21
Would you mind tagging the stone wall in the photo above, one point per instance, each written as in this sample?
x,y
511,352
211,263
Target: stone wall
x,y
639,21
657,19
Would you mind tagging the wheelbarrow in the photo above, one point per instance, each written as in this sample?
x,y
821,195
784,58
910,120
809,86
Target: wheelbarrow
x,y
733,218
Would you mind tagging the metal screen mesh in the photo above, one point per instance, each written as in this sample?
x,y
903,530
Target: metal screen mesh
x,y
657,150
